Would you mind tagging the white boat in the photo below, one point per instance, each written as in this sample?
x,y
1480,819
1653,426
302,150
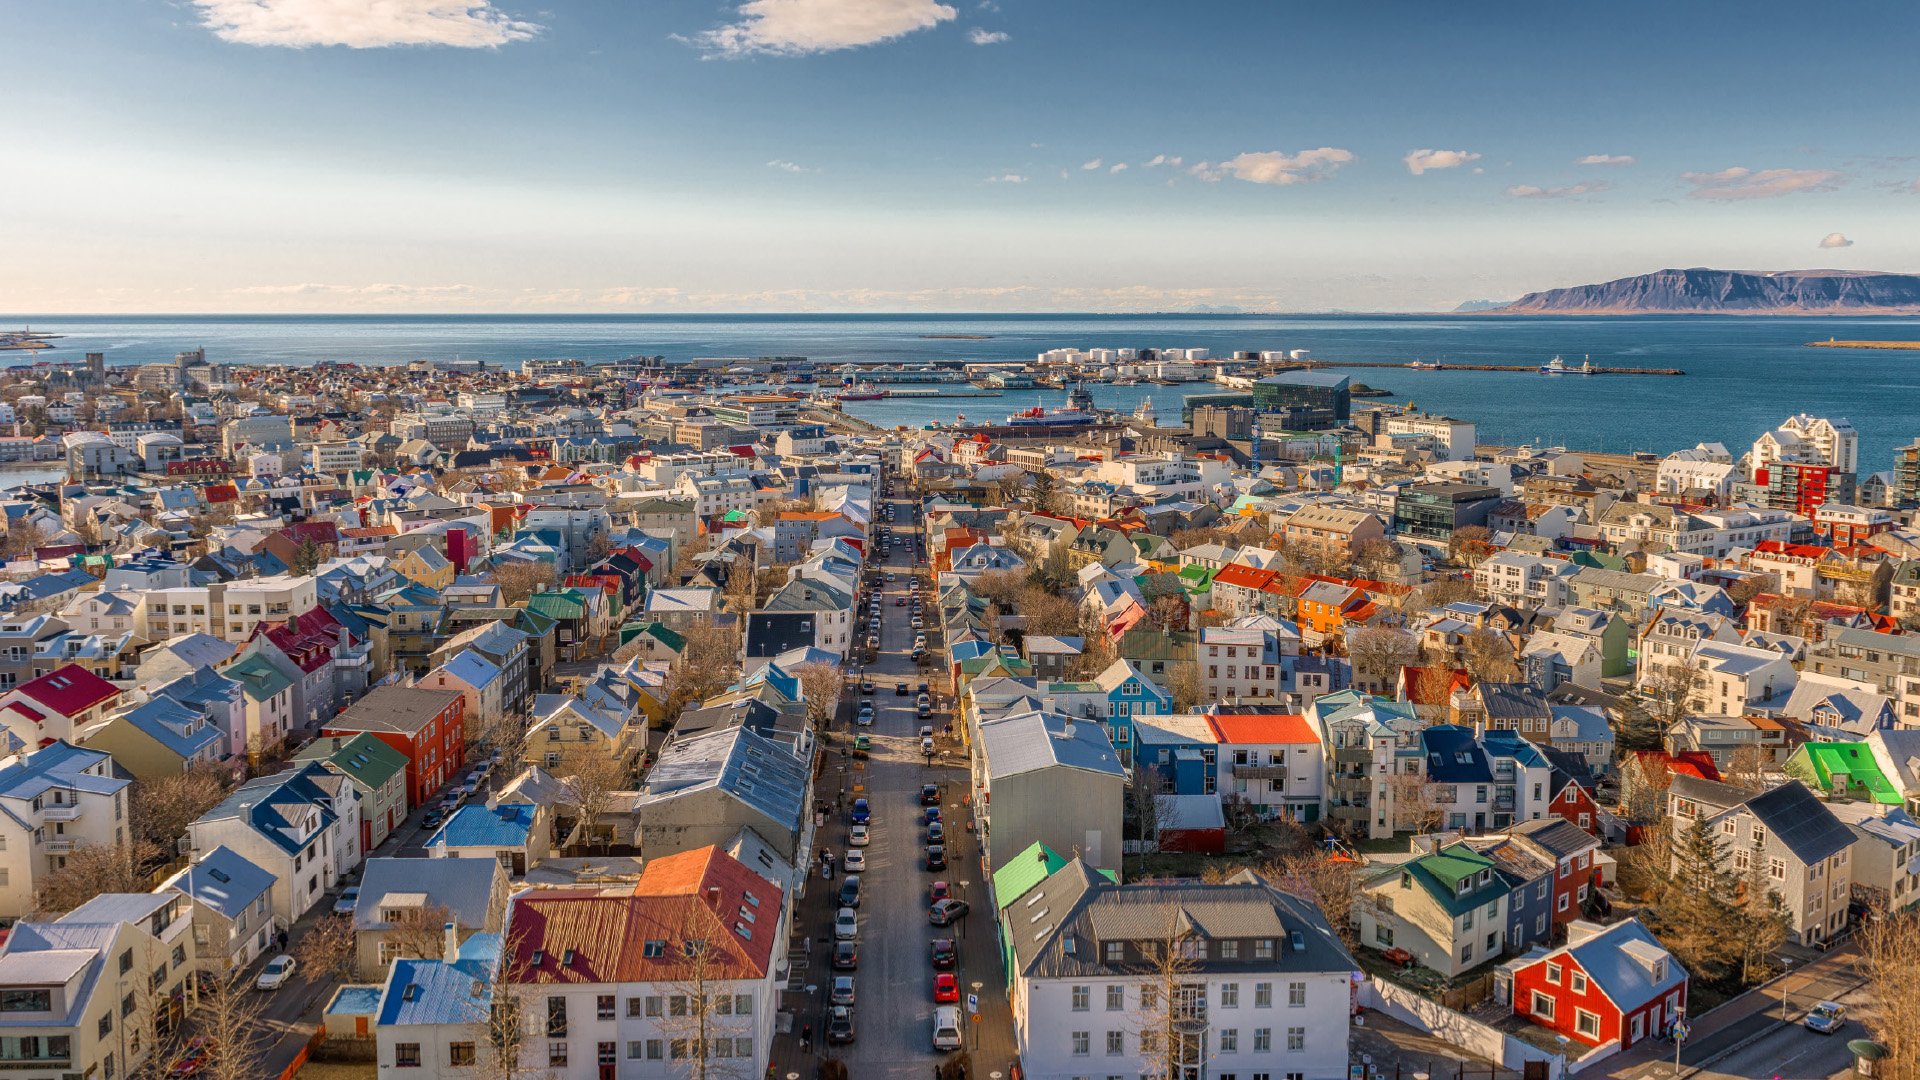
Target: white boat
x,y
1555,366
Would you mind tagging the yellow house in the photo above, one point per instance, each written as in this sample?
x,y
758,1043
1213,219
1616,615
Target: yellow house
x,y
566,726
423,565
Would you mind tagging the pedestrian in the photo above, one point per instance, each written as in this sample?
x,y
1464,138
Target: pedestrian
x,y
806,1037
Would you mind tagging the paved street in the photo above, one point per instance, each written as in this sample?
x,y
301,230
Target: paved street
x,y
894,1014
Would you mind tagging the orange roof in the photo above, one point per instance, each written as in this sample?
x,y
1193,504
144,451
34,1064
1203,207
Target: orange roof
x,y
808,515
1261,728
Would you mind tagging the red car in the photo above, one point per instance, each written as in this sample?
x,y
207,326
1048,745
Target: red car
x,y
199,1054
945,987
940,892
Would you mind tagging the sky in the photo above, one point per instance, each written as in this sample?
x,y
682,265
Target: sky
x,y
935,155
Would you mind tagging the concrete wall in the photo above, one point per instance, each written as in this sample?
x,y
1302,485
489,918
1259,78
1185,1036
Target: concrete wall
x,y
1459,1030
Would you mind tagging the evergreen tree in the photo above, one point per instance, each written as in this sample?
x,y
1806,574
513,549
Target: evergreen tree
x,y
1763,917
1694,915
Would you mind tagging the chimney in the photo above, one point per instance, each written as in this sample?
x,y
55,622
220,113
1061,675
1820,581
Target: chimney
x,y
713,897
452,932
1066,731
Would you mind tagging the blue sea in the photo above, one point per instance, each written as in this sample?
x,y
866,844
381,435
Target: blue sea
x,y
1743,374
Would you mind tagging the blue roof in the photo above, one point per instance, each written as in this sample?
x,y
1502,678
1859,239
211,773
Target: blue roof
x,y
507,825
270,804
223,880
58,764
355,1000
184,732
1454,756
438,992
472,668
1506,743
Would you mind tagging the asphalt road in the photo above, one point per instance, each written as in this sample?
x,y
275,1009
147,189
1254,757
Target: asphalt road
x,y
1794,1053
894,1014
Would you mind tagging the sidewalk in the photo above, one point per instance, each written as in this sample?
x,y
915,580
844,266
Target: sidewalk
x,y
1744,1019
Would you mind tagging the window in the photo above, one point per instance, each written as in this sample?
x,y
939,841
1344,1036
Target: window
x,y
460,1053
1116,951
1553,974
633,1007
1296,1039
1229,950
1263,1040
1080,999
636,1050
1579,983
655,1049
1263,949
1229,995
1116,998
1116,1043
603,1007
743,1004
406,1055
1296,995
1080,1042
1777,869
653,1005
1542,1006
1263,995
1229,1040
1586,1023
557,1017
677,1005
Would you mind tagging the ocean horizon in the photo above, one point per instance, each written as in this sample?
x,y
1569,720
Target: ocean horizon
x,y
1744,374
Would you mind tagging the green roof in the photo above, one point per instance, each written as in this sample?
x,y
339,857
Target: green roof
x,y
659,631
1442,872
1599,560
561,604
361,757
260,679
1028,869
1855,761
1198,579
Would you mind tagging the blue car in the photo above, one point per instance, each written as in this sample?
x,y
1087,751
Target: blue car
x,y
862,813
933,814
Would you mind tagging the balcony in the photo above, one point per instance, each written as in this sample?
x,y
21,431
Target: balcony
x,y
57,847
61,812
1264,772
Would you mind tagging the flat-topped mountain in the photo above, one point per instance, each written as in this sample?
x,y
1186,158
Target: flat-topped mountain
x,y
1700,291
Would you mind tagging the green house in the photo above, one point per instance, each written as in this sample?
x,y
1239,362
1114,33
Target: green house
x,y
1844,769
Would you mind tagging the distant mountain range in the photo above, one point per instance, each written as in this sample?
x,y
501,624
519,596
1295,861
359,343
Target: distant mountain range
x,y
1700,291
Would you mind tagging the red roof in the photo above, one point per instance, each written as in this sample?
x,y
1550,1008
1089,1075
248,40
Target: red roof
x,y
308,639
1261,728
69,690
1245,577
1685,763
320,532
609,934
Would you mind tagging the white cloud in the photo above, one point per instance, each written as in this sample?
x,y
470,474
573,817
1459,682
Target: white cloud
x,y
1530,191
788,166
981,36
1092,165
1118,167
358,24
1737,183
1835,240
1007,178
1419,161
1276,167
1605,159
382,292
1161,159
800,27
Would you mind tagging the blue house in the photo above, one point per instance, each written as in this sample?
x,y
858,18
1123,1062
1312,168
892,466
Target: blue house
x,y
1459,778
1178,753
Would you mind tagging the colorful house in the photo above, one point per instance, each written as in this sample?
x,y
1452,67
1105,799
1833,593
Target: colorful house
x,y
1605,985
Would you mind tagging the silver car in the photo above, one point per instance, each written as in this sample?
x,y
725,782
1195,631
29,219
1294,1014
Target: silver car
x,y
842,990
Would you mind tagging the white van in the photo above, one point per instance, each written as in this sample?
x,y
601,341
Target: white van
x,y
946,1027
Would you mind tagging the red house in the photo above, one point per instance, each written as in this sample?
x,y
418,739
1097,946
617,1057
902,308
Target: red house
x,y
56,704
1606,984
428,726
1570,851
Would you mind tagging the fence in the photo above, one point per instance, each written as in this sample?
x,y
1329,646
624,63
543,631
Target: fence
x,y
1451,1027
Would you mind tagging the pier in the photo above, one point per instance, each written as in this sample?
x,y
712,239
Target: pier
x,y
1525,368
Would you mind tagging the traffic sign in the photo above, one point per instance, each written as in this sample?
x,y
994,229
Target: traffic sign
x,y
973,1003
1680,1029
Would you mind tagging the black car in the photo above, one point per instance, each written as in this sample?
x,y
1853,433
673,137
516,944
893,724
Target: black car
x,y
845,956
944,954
936,856
929,795
840,1025
900,689
850,891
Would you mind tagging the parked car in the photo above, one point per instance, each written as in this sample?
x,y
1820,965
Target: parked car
x,y
275,974
933,814
1826,1017
864,717
929,795
840,1025
349,897
936,857
857,836
900,689
846,956
945,987
850,891
943,954
433,819
899,601
936,832
846,924
842,990
197,1056
939,892
946,1027
946,912
855,860
862,811
866,685
926,745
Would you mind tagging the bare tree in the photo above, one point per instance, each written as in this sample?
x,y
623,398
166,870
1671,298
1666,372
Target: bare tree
x,y
1183,684
1470,545
164,806
1439,593
150,1031
1047,612
23,538
522,578
700,1017
1004,587
1167,613
1169,1016
1329,883
328,947
1666,694
92,869
1149,806
233,1017
822,685
1747,767
708,664
1489,656
591,777
1890,960
1414,807
1379,652
1376,558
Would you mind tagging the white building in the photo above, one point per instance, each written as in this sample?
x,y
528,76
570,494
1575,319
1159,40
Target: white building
x,y
53,800
229,610
1513,577
1707,467
1268,991
1811,440
297,825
